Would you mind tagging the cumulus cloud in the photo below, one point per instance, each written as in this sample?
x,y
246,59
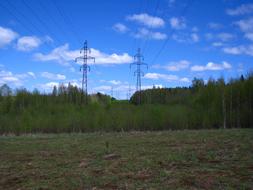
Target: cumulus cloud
x,y
174,65
102,88
145,33
115,82
7,77
6,36
49,85
160,76
177,23
28,43
185,79
64,55
210,66
194,37
215,26
225,36
186,37
241,10
156,76
120,28
246,26
53,76
220,36
249,36
238,50
147,20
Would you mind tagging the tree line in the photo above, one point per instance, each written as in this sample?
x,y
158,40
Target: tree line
x,y
215,104
218,104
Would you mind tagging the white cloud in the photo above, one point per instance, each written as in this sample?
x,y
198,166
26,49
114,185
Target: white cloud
x,y
225,36
28,43
195,37
63,56
241,10
102,88
53,76
157,76
246,25
106,59
186,37
174,65
145,33
120,28
115,82
160,76
31,74
177,23
147,20
185,79
249,36
6,36
49,85
238,50
215,26
210,66
234,50
7,77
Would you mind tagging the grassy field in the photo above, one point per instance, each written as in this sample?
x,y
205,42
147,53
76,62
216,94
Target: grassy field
x,y
204,159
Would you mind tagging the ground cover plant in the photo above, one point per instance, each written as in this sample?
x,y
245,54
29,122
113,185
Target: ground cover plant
x,y
196,159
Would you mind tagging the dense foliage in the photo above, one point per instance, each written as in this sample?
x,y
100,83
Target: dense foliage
x,y
212,105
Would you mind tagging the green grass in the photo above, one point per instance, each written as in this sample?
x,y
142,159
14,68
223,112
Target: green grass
x,y
204,159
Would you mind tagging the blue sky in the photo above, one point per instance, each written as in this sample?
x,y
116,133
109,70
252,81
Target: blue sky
x,y
179,39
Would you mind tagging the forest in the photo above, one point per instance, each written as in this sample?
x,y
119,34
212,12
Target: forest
x,y
203,105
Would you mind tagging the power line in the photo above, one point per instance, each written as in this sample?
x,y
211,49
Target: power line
x,y
135,45
17,18
136,29
67,21
148,37
39,19
15,15
172,32
45,8
138,73
85,68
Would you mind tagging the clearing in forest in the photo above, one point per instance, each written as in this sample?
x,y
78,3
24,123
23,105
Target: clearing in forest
x,y
203,159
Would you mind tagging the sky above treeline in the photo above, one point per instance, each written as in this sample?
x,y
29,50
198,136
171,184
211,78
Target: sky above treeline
x,y
179,39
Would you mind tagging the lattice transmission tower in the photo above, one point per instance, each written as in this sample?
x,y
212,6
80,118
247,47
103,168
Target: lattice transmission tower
x,y
138,58
84,51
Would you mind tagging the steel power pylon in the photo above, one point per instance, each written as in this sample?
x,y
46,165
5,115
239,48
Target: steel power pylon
x,y
85,67
138,58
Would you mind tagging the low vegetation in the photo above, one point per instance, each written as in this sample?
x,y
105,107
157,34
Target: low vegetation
x,y
196,159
